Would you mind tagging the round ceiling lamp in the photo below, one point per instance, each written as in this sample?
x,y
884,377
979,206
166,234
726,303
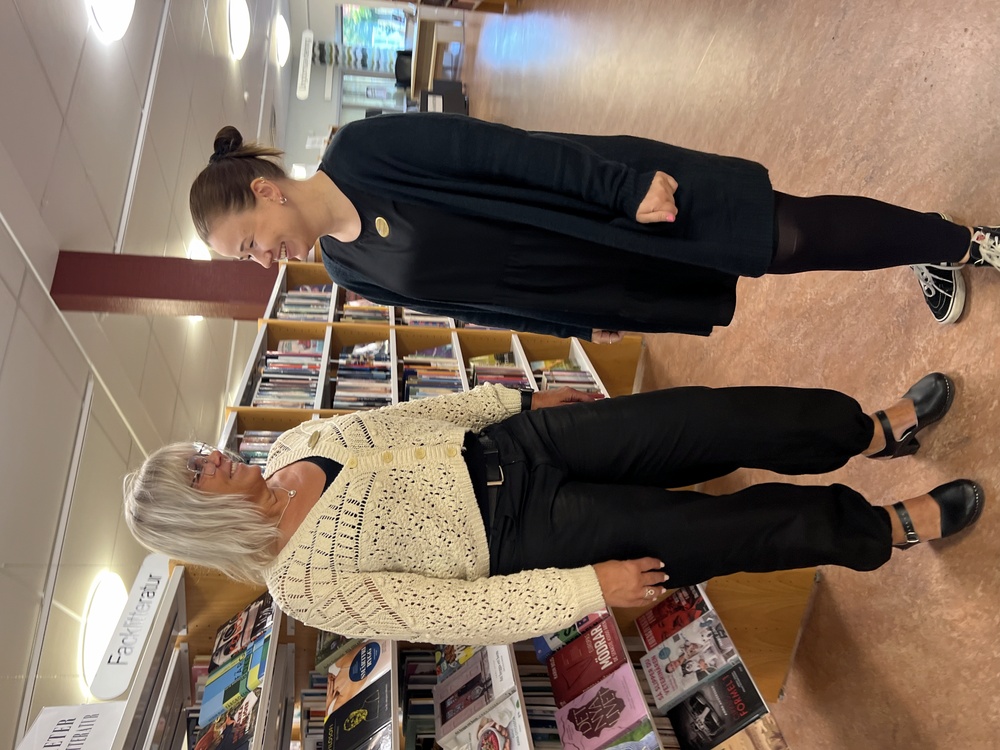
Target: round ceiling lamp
x,y
239,28
282,40
110,18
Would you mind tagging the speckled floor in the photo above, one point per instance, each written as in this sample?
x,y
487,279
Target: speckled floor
x,y
899,101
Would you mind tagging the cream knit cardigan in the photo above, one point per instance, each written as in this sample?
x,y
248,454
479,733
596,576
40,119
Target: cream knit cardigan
x,y
396,548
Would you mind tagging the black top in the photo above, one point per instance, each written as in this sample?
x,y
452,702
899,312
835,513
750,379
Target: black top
x,y
330,467
537,231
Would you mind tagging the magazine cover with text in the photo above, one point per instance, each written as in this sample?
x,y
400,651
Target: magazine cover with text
x,y
584,661
690,656
361,718
682,607
604,712
356,668
237,632
717,710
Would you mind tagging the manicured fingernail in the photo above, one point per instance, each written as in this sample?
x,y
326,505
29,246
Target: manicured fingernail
x,y
666,577
662,564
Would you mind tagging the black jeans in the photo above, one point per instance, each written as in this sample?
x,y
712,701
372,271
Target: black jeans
x,y
585,483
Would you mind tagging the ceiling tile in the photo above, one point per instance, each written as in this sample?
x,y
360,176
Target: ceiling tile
x,y
171,333
11,695
34,391
130,336
19,616
159,391
103,118
140,42
170,108
30,118
12,268
148,220
96,506
70,207
8,307
53,333
103,412
57,30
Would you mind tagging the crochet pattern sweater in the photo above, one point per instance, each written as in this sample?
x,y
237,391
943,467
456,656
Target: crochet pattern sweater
x,y
396,546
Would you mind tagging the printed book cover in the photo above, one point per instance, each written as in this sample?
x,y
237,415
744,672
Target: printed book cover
x,y
585,661
717,710
682,607
489,675
603,712
688,657
357,668
502,727
330,647
546,645
357,720
232,729
640,737
449,658
237,632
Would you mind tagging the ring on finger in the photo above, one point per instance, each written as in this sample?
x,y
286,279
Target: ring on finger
x,y
650,592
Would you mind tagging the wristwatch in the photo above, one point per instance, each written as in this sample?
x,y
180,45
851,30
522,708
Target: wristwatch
x,y
526,395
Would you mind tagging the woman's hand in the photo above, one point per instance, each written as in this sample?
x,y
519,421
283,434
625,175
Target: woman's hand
x,y
560,397
603,336
627,583
658,205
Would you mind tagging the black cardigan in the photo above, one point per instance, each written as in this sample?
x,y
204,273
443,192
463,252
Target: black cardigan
x,y
587,187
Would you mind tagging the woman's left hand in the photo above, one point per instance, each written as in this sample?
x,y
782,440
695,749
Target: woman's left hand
x,y
630,583
560,397
658,205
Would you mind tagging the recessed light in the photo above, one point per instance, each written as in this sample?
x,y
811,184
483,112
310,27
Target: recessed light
x,y
282,40
239,28
198,250
110,18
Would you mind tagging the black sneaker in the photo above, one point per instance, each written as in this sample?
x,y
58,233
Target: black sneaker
x,y
985,247
943,286
944,290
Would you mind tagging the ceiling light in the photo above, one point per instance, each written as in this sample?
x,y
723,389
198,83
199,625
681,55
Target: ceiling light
x,y
239,28
107,599
198,250
110,18
282,40
299,172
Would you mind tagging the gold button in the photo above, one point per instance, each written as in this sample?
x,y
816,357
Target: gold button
x,y
452,451
381,226
420,453
313,439
387,457
352,462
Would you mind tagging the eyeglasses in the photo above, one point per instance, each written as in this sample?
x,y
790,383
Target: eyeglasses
x,y
200,466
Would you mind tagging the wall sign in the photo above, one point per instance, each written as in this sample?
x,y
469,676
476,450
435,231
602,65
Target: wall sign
x,y
90,727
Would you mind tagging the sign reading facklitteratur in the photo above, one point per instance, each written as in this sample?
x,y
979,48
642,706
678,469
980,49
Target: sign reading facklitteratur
x,y
90,727
125,648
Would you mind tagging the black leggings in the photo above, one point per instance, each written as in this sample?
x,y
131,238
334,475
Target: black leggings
x,y
584,484
848,233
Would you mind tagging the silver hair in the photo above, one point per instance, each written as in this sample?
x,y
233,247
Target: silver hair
x,y
167,515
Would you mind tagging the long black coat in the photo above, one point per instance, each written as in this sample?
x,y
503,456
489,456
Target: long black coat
x,y
586,187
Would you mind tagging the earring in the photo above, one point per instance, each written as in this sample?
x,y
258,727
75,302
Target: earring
x,y
284,200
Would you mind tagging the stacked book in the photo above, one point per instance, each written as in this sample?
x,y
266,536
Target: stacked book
x,y
290,374
431,372
497,368
359,710
360,310
416,318
364,377
556,373
694,672
254,445
418,675
230,703
309,302
479,705
312,711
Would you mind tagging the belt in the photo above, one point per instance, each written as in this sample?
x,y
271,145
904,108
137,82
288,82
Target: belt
x,y
494,473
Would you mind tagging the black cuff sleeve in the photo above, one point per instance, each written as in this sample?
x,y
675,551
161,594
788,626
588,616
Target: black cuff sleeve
x,y
526,396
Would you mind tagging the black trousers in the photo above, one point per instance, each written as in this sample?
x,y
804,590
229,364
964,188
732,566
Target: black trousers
x,y
584,483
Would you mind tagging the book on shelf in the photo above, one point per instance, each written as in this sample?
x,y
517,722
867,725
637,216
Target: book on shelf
x,y
365,721
238,673
717,709
431,372
503,726
330,647
427,320
489,676
546,645
355,669
233,728
364,377
501,368
586,660
600,715
687,658
448,658
308,302
670,614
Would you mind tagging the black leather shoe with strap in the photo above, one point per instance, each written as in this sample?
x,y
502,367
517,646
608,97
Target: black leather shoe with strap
x,y
932,396
961,503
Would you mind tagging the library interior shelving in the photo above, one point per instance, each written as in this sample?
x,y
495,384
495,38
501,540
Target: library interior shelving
x,y
761,612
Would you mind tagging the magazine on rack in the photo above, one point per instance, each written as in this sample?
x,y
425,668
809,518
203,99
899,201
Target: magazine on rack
x,y
717,710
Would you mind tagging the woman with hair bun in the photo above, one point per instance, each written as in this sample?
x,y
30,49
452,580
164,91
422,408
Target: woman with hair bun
x,y
569,235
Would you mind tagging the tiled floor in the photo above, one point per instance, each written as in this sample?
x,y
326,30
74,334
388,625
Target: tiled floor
x,y
897,101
